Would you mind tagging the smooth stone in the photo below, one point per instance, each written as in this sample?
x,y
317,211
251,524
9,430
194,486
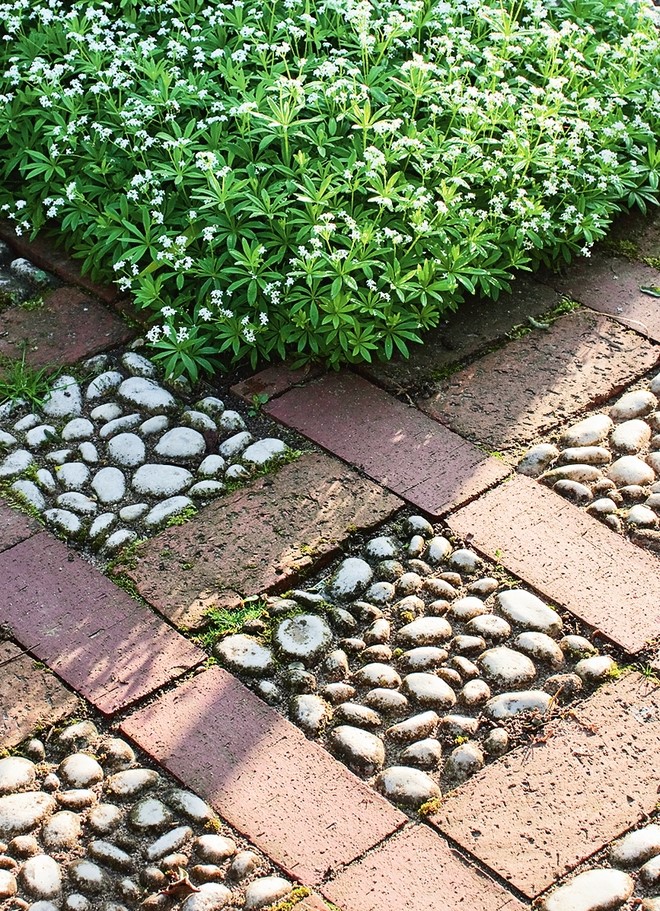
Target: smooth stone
x,y
127,449
211,405
62,831
496,742
28,491
181,444
76,798
468,644
103,384
8,885
577,646
336,693
596,669
595,890
81,733
428,691
243,865
419,727
26,423
636,847
45,480
198,421
138,365
212,466
243,653
464,561
407,786
264,451
507,705
650,873
305,637
309,712
537,459
357,715
475,693
466,669
424,754
541,647
386,701
630,436
88,876
603,506
190,805
88,453
351,578
382,548
211,897
59,456
568,686
215,849
118,425
64,520
582,474
635,404
586,455
77,429
492,628
102,525
64,399
335,665
588,432
134,512
40,436
424,658
630,470
149,813
109,485
104,818
132,781
507,668
73,476
166,509
464,760
117,753
236,473
641,516
41,876
147,394
418,525
16,773
7,441
234,446
230,422
380,592
467,608
263,892
439,549
80,771
108,412
425,631
78,503
573,490
364,752
15,463
161,480
110,855
154,425
439,588
524,609
377,674
653,460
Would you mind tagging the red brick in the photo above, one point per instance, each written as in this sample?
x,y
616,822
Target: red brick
x,y
611,285
476,324
258,539
415,870
536,382
534,815
43,253
313,902
97,638
273,381
569,556
426,464
286,794
29,696
69,326
15,527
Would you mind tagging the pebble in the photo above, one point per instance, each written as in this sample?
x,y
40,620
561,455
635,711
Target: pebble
x,y
351,578
215,849
164,510
508,705
41,876
525,609
211,897
15,463
16,773
146,393
603,506
595,890
118,539
264,451
88,876
588,432
64,399
541,647
407,786
103,384
88,453
46,480
134,512
198,421
635,404
537,459
23,846
305,637
127,449
583,474
464,760
109,485
466,608
572,490
630,436
425,631
428,691
356,715
641,516
8,885
386,701
630,470
108,412
243,865
76,798
265,892
63,520
132,781
309,712
423,658
637,847
596,669
148,814
475,693
191,805
465,561
362,751
181,444
496,742
234,446
138,365
492,628
211,466
650,873
586,455
419,727
104,818
62,831
377,674
40,435
78,503
381,548
424,754
243,653
439,550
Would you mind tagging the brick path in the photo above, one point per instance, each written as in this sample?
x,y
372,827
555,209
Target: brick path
x,y
518,826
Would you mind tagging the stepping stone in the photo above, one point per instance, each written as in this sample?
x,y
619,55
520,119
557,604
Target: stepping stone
x,y
15,527
257,539
476,324
284,793
421,461
415,870
611,285
517,393
534,815
569,556
29,696
97,638
70,326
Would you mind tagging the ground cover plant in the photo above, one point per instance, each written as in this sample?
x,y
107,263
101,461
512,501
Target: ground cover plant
x,y
322,180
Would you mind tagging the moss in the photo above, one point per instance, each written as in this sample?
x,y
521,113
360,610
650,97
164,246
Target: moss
x,y
652,261
621,247
34,303
430,807
181,517
213,825
292,899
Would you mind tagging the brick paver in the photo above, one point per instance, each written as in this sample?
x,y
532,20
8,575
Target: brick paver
x,y
535,814
476,324
70,325
534,383
287,795
428,465
43,253
612,285
415,870
15,527
29,696
273,381
569,556
96,637
259,538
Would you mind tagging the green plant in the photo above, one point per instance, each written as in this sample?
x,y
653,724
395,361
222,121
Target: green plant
x,y
20,382
221,622
259,399
180,518
326,181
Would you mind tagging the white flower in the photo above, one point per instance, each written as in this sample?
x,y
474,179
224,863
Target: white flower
x,y
168,311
